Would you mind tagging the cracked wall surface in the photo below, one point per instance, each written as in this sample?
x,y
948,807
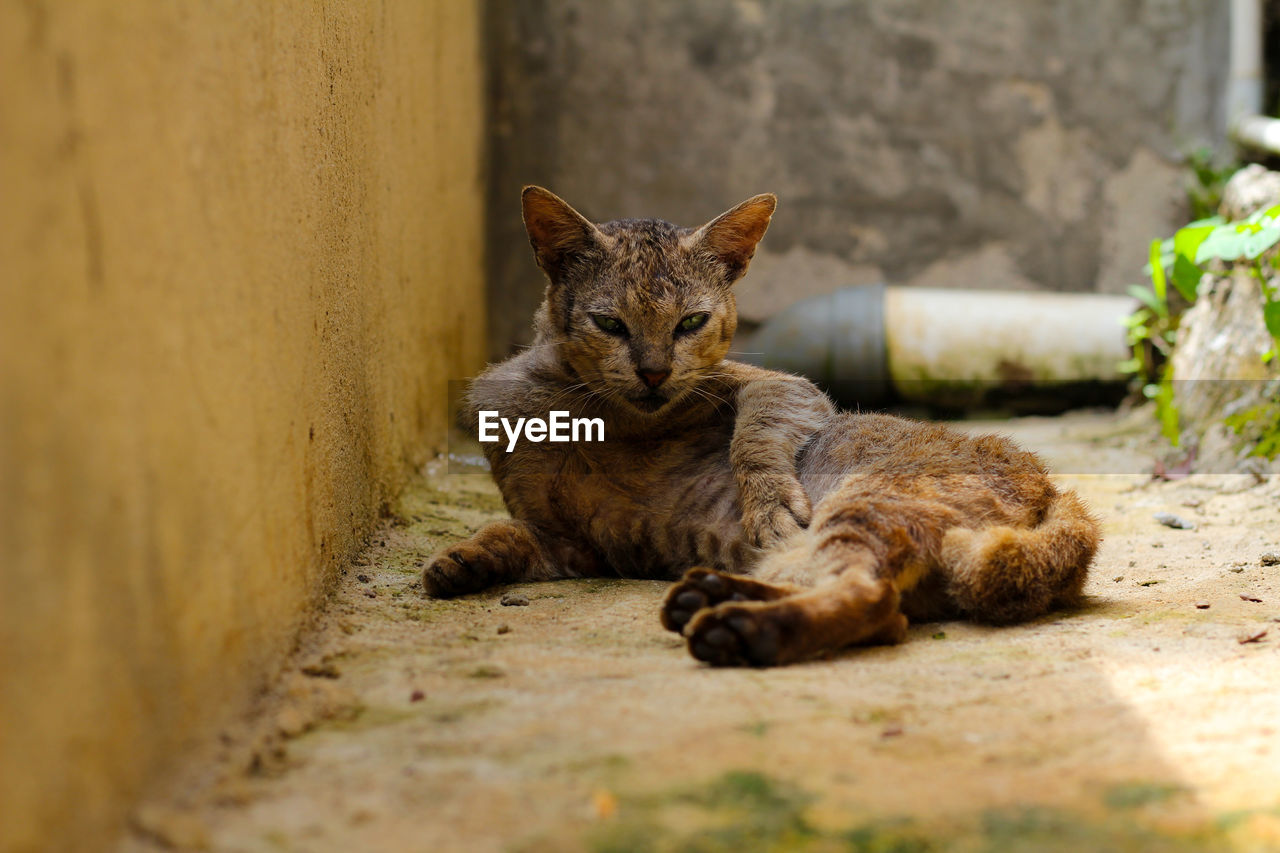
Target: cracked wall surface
x,y
240,257
1000,144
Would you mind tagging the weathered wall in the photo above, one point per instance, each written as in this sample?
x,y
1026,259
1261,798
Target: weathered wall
x,y
987,143
240,256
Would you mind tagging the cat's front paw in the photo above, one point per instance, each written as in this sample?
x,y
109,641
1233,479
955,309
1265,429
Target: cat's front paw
x,y
461,569
775,511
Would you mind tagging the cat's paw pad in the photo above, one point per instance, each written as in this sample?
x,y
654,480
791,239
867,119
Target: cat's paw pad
x,y
697,590
734,635
458,570
784,512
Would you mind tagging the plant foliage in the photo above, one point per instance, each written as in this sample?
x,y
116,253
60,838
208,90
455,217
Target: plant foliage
x,y
1181,261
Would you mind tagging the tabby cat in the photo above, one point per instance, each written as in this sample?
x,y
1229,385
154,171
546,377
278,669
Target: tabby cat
x,y
800,529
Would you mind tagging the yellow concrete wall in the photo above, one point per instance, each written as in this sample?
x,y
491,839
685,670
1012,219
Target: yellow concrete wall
x,y
240,256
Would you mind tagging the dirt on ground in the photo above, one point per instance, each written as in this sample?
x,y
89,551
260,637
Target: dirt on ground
x,y
561,716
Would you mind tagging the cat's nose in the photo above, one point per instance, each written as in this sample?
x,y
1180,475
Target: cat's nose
x,y
653,378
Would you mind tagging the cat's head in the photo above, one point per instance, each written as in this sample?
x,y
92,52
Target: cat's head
x,y
640,309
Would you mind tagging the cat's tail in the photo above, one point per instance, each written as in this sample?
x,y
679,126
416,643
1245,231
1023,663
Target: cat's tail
x,y
1007,574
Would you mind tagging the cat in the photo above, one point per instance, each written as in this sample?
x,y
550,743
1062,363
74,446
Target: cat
x,y
799,529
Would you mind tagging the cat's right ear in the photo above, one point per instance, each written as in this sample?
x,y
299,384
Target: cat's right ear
x,y
557,232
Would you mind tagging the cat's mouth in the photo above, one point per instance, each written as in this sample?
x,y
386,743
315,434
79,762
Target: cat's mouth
x,y
650,402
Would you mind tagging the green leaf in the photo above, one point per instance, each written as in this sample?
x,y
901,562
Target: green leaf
x,y
1232,242
1157,273
1132,365
1265,213
1148,298
1271,316
1259,241
1186,277
1138,318
1187,241
1224,242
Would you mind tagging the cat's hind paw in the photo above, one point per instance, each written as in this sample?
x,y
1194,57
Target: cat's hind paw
x,y
735,635
697,590
703,588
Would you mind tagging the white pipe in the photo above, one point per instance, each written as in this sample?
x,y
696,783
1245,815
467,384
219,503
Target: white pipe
x,y
943,336
957,347
1258,132
1245,122
1244,92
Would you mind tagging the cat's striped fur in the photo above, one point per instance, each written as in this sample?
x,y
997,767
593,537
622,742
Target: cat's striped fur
x,y
803,529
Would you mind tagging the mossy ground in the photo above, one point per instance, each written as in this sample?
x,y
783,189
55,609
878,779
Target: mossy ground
x,y
1138,722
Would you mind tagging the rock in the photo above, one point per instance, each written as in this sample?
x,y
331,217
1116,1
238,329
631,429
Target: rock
x,y
1223,337
321,669
511,600
1168,519
1202,605
1271,558
291,721
1251,189
504,629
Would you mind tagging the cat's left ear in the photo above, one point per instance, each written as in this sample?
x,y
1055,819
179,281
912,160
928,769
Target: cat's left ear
x,y
732,236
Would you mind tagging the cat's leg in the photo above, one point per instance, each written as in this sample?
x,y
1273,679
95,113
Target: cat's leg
x,y
854,609
863,551
703,588
1004,574
505,551
776,415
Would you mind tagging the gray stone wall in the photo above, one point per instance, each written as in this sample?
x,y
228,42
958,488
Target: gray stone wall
x,y
961,143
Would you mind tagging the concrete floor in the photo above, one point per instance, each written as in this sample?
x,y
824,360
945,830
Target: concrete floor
x,y
1139,722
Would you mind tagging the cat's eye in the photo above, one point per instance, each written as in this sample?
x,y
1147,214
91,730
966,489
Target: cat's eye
x,y
609,325
692,322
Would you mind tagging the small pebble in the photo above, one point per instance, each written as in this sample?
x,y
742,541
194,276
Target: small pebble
x,y
1202,605
362,578
510,600
504,629
1245,597
1252,637
417,696
322,669
1118,578
1168,519
1271,558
